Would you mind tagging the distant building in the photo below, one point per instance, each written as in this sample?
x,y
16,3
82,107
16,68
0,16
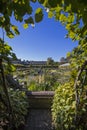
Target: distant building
x,y
37,62
18,61
26,62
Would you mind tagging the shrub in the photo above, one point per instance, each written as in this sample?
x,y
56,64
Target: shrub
x,y
63,109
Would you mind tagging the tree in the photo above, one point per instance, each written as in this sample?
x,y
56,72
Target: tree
x,y
50,61
63,60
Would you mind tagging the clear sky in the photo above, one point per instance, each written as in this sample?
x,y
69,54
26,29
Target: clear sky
x,y
45,40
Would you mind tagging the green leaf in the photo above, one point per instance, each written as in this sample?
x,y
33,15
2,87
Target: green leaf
x,y
29,10
10,34
41,1
29,20
50,14
15,29
25,26
63,18
38,15
33,1
84,17
15,1
70,18
72,34
54,3
68,8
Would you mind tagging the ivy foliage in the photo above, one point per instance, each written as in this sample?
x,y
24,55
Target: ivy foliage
x,y
6,51
19,104
64,108
6,54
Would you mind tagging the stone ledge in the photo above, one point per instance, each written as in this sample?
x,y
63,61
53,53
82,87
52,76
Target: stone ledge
x,y
41,99
40,94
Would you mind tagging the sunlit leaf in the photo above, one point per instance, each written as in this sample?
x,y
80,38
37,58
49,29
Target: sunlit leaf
x,y
50,14
15,29
10,34
25,26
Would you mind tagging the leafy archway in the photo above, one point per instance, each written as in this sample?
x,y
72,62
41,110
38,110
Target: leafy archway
x,y
72,14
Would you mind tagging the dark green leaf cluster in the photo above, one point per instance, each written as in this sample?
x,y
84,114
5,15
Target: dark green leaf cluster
x,y
38,15
19,104
20,9
6,54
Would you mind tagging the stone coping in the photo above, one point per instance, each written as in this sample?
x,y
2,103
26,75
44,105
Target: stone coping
x,y
41,99
40,93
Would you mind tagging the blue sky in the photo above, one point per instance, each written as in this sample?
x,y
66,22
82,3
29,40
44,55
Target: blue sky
x,y
45,40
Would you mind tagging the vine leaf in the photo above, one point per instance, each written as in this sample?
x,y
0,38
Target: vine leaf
x,y
25,26
38,15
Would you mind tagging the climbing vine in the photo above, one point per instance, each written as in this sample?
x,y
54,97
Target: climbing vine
x,y
65,115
